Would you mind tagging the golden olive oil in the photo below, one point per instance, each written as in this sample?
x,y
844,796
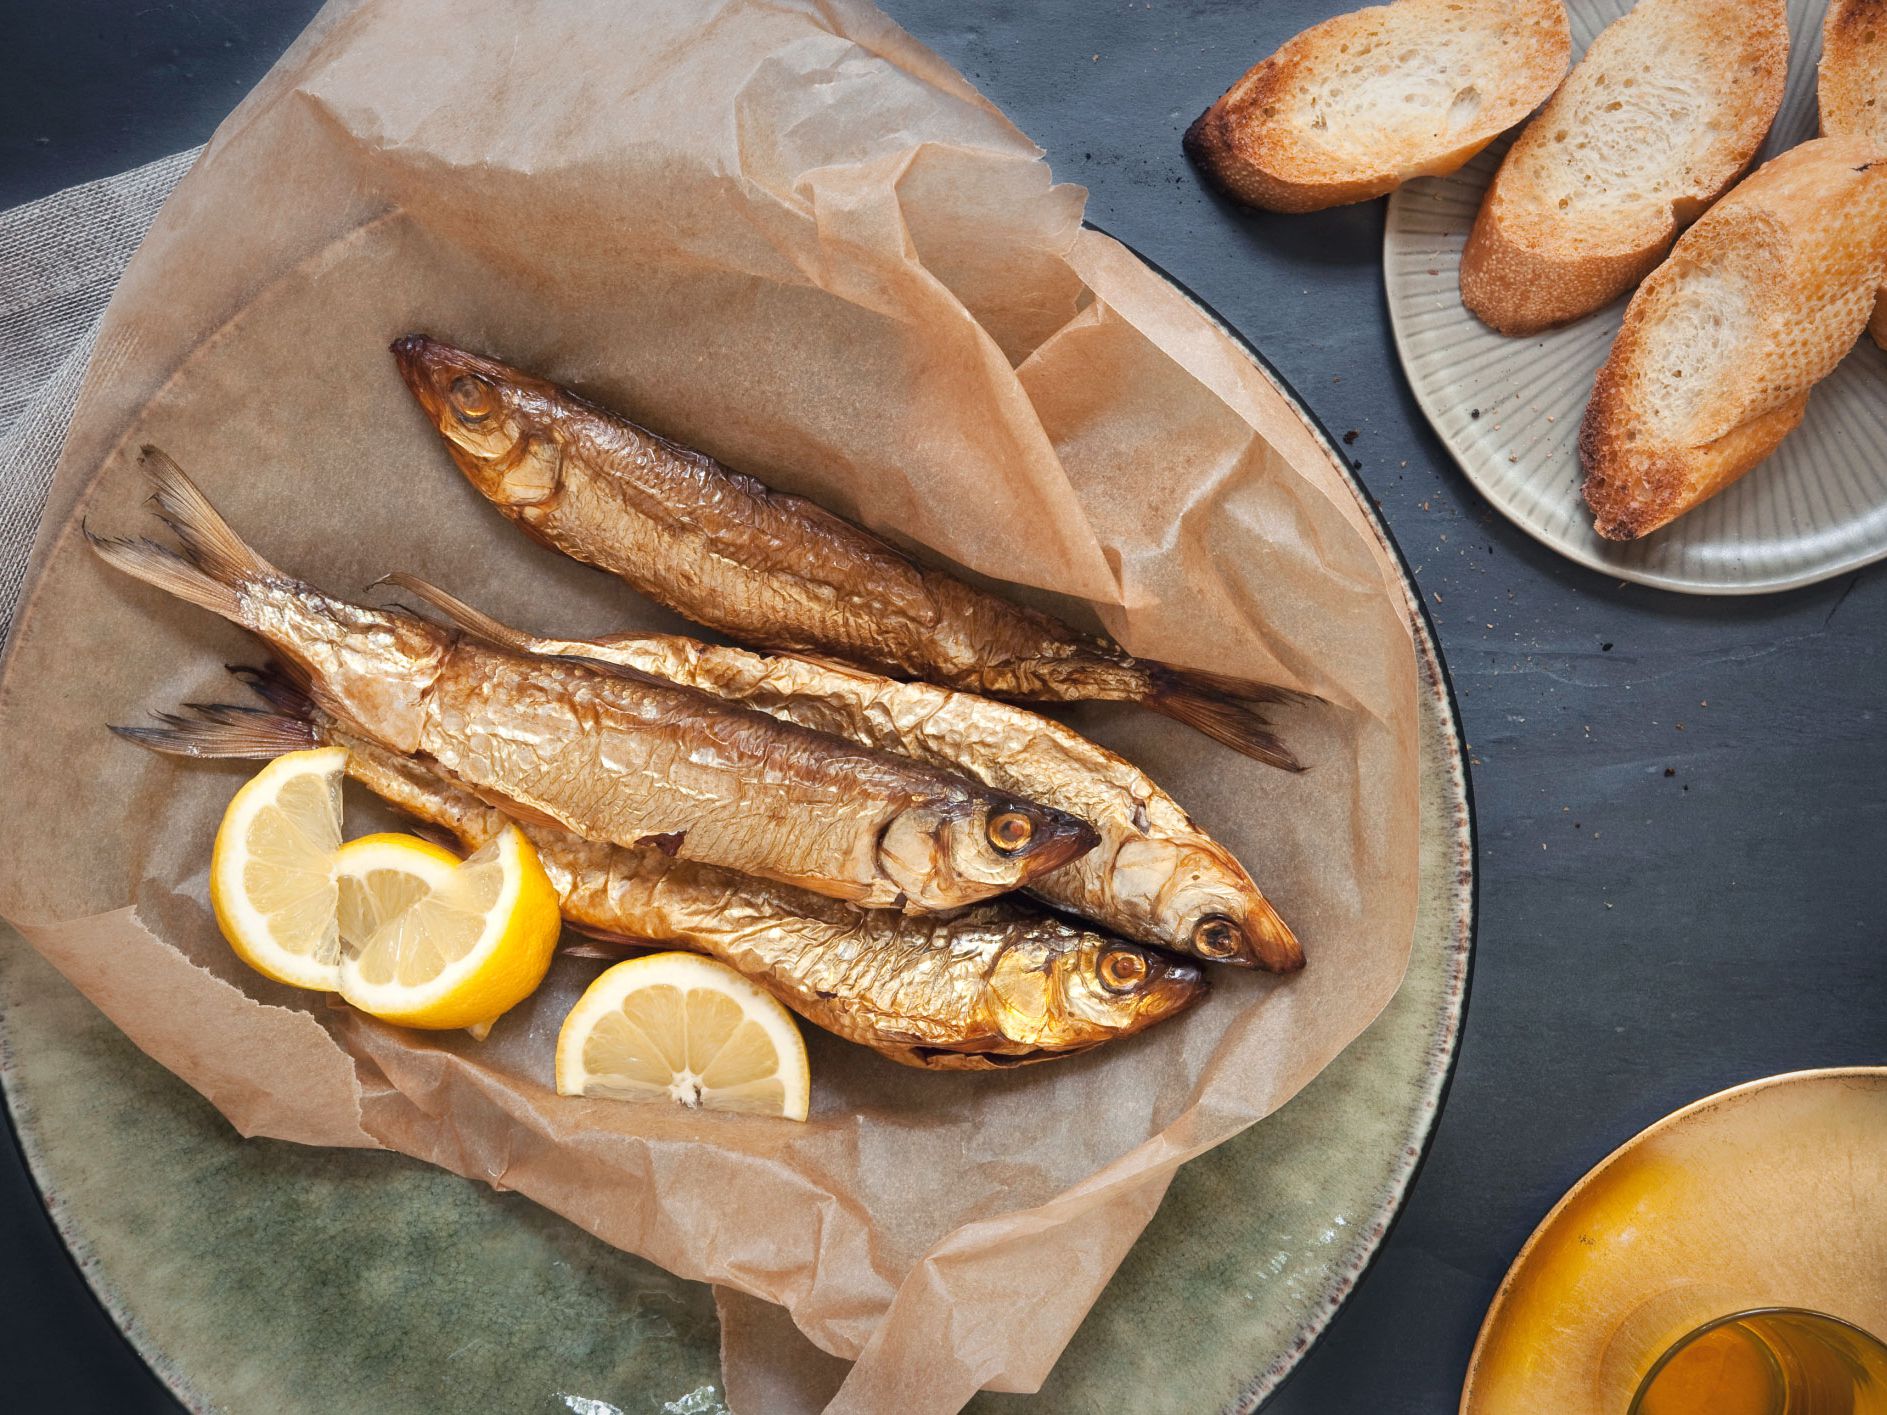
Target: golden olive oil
x,y
1779,1362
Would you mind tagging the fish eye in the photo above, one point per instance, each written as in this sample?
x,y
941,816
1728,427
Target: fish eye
x,y
1010,830
471,398
1215,936
1123,969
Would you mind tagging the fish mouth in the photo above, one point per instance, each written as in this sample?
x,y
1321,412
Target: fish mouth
x,y
1181,973
1272,944
1179,984
1250,935
428,366
1063,838
1258,939
421,363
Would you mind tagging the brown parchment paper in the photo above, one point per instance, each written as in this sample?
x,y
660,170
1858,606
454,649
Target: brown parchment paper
x,y
782,231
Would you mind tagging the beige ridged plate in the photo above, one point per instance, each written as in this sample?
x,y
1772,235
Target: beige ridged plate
x,y
1509,409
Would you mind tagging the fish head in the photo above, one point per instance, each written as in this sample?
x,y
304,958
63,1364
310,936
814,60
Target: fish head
x,y
500,424
1199,899
965,846
1059,988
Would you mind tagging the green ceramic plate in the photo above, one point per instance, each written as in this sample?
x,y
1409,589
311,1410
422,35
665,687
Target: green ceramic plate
x,y
260,1275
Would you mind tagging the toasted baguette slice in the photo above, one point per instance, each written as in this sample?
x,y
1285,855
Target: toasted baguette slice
x,y
1720,346
1662,115
1356,106
1853,90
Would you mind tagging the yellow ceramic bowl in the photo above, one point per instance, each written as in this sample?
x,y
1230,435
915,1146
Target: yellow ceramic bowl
x,y
1771,1194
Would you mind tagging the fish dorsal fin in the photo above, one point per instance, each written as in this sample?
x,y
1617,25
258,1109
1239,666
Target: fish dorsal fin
x,y
825,661
589,948
519,811
461,615
613,939
483,627
638,676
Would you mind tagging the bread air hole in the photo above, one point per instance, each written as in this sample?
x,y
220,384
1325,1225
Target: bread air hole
x,y
1467,103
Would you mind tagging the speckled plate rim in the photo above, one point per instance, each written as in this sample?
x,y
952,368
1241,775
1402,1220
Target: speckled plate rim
x,y
1400,305
1444,1047
1676,1120
1442,1051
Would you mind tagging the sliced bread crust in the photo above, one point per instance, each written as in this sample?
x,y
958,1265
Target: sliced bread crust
x,y
1356,106
1663,114
1721,345
1852,86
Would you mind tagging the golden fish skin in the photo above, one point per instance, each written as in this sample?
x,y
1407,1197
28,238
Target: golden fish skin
x,y
1155,876
774,570
639,761
992,986
987,987
616,755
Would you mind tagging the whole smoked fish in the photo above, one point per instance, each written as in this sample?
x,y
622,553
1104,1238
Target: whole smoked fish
x,y
776,571
1154,876
612,754
993,986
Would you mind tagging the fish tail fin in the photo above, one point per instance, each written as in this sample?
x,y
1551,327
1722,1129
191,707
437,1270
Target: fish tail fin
x,y
221,730
1228,710
473,621
207,538
213,566
170,571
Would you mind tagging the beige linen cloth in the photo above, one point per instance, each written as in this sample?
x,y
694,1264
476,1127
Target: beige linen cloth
x,y
60,258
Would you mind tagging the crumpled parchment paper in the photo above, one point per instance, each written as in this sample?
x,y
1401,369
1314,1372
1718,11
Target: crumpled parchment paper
x,y
784,232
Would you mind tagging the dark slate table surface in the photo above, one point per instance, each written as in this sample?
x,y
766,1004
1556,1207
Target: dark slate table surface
x,y
1681,800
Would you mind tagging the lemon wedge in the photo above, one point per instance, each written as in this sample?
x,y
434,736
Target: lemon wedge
x,y
437,942
271,872
687,1029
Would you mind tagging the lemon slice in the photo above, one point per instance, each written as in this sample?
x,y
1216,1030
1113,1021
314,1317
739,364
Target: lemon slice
x,y
682,1028
271,873
433,941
